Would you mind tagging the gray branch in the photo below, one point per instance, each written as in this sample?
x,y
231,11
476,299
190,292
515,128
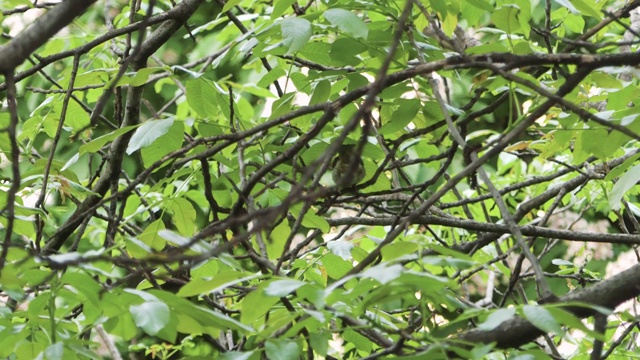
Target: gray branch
x,y
609,294
44,28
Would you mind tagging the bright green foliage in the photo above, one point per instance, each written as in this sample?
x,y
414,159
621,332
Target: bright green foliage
x,y
166,179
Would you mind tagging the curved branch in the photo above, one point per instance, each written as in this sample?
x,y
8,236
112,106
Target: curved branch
x,y
528,230
132,117
609,294
16,52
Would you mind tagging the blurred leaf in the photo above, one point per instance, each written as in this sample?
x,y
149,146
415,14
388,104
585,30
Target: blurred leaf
x,y
542,319
206,317
296,32
282,288
347,22
311,220
506,18
222,280
97,144
335,266
400,118
280,6
341,248
568,5
256,304
282,349
496,318
228,5
588,7
624,183
383,273
151,316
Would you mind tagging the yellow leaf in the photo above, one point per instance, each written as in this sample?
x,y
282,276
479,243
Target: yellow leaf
x,y
519,146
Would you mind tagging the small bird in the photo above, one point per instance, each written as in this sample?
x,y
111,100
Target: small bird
x,y
347,167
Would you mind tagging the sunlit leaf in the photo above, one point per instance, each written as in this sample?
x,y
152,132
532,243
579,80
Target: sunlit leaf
x,y
147,133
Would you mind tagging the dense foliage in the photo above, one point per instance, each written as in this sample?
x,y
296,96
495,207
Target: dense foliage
x,y
285,179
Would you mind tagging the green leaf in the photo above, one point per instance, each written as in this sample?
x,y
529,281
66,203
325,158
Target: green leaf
x,y
319,342
542,319
561,262
256,304
151,316
599,147
122,326
296,33
150,235
345,50
624,183
277,240
401,117
69,187
270,77
383,272
568,319
341,248
147,133
282,288
230,4
482,5
54,352
314,221
398,249
496,318
588,7
317,52
310,219
320,93
201,97
184,215
568,5
140,77
360,342
77,118
172,140
136,248
335,266
505,18
280,6
97,144
618,170
84,284
199,247
221,281
524,15
347,22
282,349
206,317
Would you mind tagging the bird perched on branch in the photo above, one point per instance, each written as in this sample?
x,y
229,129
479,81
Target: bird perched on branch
x,y
347,167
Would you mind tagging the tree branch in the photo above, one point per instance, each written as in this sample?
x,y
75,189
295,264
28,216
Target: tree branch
x,y
609,294
44,28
